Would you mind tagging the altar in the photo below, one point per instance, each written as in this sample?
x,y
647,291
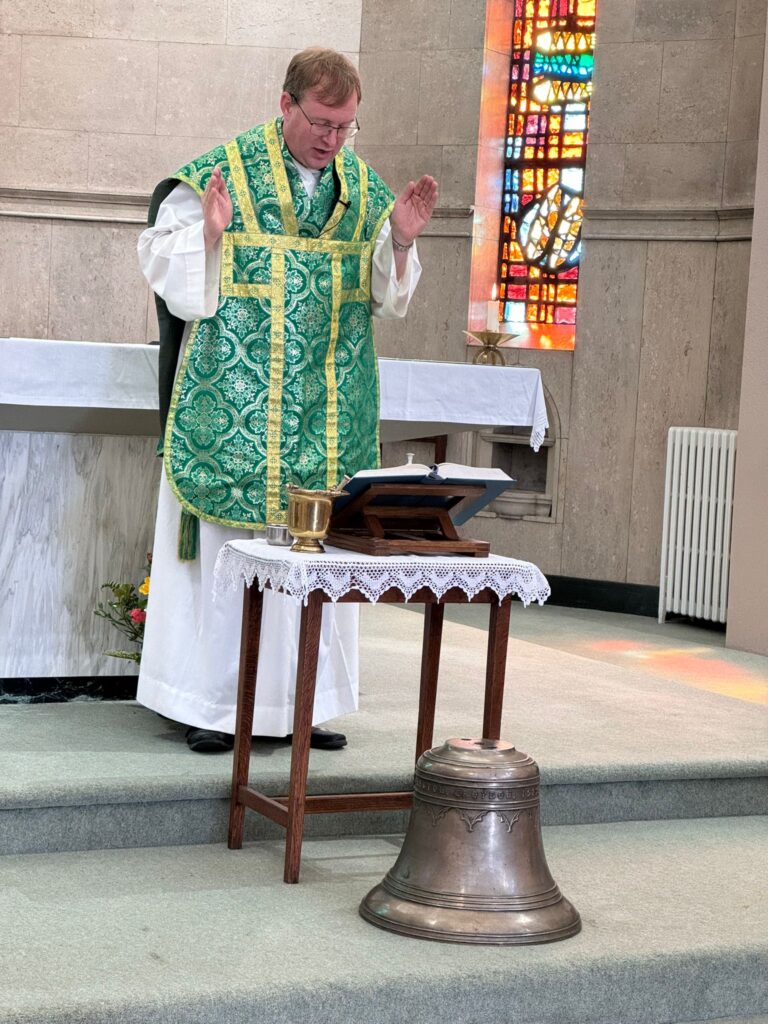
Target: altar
x,y
78,429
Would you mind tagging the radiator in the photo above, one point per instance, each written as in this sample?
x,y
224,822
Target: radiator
x,y
696,536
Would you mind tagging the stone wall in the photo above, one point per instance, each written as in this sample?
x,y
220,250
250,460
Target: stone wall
x,y
98,101
422,67
670,187
748,593
669,194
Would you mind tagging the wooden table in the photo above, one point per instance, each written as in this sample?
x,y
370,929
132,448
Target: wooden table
x,y
289,811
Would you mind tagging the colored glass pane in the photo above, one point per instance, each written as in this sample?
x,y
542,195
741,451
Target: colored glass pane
x,y
550,89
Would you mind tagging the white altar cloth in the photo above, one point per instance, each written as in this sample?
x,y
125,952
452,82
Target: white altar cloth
x,y
418,398
439,398
86,374
338,571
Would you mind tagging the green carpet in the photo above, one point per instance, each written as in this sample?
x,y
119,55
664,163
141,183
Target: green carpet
x,y
615,741
674,930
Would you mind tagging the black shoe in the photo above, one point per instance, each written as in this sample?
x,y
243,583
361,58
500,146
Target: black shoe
x,y
207,741
324,739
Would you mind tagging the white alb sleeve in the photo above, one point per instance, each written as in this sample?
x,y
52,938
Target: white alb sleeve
x,y
174,260
390,296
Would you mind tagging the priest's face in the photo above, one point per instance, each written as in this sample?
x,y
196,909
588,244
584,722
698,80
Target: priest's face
x,y
314,132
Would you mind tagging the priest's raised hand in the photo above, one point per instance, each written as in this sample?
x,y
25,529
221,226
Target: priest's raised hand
x,y
413,209
217,209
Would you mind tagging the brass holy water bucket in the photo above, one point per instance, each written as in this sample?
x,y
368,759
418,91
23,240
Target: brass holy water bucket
x,y
309,517
472,867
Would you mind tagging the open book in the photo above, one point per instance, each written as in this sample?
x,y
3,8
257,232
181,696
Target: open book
x,y
495,481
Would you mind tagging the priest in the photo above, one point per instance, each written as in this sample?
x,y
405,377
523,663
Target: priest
x,y
268,257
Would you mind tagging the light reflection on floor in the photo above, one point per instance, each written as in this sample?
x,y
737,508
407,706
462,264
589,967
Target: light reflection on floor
x,y
700,667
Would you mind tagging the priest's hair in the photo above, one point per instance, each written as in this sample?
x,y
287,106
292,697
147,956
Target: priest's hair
x,y
330,73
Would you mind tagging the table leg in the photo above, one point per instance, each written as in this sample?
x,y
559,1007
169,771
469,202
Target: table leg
x,y
498,635
430,664
250,632
306,673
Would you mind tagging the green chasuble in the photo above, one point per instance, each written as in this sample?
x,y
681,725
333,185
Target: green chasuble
x,y
281,385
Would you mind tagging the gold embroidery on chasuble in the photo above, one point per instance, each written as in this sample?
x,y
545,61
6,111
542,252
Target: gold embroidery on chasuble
x,y
281,385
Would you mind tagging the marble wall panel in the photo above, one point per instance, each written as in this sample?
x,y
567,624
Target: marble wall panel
x,y
88,84
456,122
751,17
458,176
37,158
602,414
615,22
290,25
390,108
604,178
79,509
181,21
626,99
485,251
739,175
668,174
499,15
672,385
726,346
97,291
217,100
136,163
490,173
398,165
393,339
404,25
495,99
41,17
537,542
438,312
10,78
466,29
562,480
25,256
744,109
748,582
684,19
695,89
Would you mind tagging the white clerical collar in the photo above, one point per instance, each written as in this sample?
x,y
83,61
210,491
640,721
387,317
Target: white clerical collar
x,y
309,176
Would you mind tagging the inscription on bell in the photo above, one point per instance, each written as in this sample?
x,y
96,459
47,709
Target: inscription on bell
x,y
448,792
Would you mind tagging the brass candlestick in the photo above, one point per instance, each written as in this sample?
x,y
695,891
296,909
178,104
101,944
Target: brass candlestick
x,y
489,354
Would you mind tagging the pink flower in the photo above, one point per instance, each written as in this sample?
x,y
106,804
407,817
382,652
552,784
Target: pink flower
x,y
138,615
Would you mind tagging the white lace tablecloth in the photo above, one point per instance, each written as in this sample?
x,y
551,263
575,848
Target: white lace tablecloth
x,y
337,572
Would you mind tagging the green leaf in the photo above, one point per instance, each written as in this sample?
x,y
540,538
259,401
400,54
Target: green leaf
x,y
125,655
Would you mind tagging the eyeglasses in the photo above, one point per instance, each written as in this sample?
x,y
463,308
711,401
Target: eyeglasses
x,y
343,131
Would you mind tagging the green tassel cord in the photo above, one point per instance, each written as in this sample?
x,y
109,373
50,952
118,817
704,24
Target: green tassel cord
x,y
188,530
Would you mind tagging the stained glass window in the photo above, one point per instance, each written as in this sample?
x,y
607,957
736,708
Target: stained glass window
x,y
543,187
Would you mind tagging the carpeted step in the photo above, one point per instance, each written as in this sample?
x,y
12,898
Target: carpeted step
x,y
674,929
98,776
614,743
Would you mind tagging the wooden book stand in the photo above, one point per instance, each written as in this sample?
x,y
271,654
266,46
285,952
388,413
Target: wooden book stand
x,y
405,518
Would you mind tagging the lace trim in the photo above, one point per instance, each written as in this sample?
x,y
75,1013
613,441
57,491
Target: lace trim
x,y
338,572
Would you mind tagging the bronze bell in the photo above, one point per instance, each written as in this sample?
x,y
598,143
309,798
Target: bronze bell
x,y
472,866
